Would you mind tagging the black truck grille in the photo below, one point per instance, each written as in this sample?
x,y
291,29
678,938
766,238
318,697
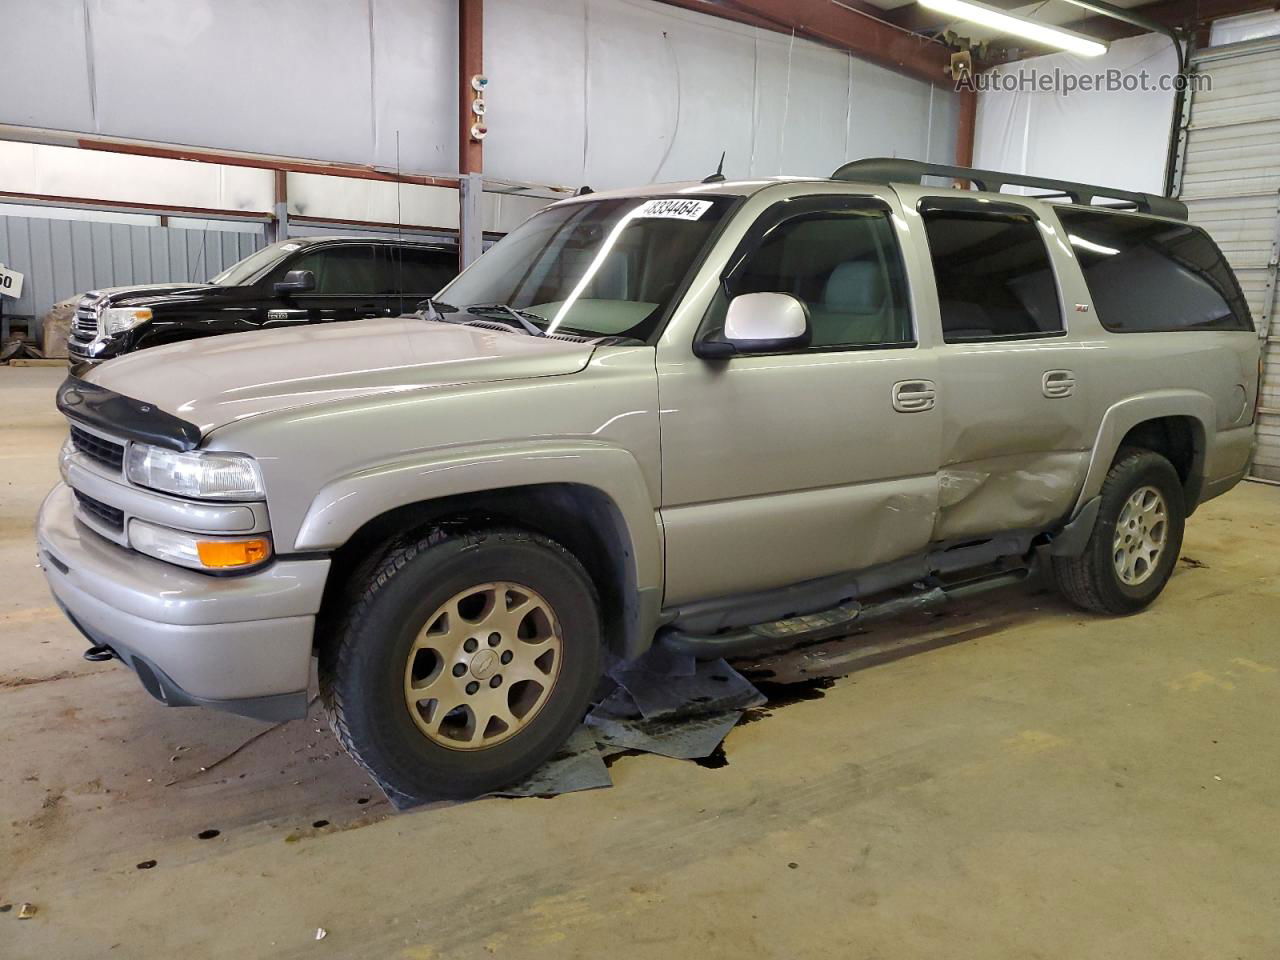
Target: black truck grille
x,y
95,448
107,515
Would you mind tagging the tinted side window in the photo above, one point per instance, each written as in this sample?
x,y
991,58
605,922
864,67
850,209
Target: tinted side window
x,y
844,265
424,272
993,274
1147,275
385,270
338,270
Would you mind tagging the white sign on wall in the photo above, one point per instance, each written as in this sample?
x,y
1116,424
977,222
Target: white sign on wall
x,y
10,282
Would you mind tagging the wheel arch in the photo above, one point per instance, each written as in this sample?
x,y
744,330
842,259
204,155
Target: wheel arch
x,y
604,516
1175,424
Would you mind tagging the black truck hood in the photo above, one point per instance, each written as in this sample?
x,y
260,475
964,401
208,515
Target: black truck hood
x,y
152,294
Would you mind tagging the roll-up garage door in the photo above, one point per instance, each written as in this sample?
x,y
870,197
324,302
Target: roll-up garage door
x,y
1229,178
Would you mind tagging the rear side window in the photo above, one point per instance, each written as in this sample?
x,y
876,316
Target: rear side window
x,y
994,278
1148,275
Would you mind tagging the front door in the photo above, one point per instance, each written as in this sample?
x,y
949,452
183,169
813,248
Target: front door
x,y
786,467
350,285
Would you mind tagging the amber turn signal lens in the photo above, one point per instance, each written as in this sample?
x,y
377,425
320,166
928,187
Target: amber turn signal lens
x,y
220,554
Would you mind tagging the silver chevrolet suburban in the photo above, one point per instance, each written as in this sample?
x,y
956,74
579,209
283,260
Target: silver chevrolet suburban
x,y
720,416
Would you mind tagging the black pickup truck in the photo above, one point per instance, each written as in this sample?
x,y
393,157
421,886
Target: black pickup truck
x,y
303,280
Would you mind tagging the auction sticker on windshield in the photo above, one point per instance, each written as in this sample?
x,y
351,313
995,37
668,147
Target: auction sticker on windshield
x,y
674,209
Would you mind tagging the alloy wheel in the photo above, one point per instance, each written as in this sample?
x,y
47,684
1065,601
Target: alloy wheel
x,y
483,665
1140,536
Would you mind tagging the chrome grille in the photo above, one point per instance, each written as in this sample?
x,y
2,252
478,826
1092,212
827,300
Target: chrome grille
x,y
110,517
85,324
95,448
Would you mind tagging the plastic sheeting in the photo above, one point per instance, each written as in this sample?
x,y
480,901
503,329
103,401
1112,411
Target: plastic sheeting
x,y
1118,139
619,92
605,92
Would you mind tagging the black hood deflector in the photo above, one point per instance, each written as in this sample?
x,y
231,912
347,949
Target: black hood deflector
x,y
123,416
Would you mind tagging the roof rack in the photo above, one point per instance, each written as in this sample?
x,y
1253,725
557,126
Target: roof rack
x,y
892,170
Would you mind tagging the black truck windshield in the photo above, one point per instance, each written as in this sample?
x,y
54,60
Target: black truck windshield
x,y
596,268
255,264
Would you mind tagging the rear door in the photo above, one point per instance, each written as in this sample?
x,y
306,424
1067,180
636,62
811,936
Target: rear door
x,y
1013,385
350,285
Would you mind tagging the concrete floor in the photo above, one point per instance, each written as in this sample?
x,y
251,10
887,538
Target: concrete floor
x,y
1029,782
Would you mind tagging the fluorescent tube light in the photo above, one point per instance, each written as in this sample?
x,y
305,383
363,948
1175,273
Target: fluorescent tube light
x,y
987,16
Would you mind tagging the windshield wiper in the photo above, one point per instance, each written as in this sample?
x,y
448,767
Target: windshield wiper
x,y
436,311
519,316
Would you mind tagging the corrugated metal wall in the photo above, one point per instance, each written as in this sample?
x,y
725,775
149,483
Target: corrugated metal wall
x,y
1230,181
61,258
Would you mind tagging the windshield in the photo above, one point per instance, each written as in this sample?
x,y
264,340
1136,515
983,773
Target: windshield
x,y
255,264
596,268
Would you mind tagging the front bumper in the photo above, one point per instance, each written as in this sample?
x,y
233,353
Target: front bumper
x,y
241,644
84,355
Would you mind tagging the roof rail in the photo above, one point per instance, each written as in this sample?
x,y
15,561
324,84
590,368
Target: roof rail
x,y
892,170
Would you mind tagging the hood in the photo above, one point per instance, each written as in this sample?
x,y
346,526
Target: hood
x,y
143,294
219,380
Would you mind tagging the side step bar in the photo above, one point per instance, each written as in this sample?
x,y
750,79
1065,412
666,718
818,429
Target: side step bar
x,y
760,638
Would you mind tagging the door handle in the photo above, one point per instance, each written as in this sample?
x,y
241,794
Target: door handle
x,y
914,396
1056,384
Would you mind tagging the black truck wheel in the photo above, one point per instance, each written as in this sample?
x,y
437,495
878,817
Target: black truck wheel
x,y
1135,541
467,660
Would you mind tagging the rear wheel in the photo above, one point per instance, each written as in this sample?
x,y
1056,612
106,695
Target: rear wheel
x,y
1135,541
467,660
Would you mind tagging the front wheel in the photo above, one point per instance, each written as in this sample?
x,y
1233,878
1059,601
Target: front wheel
x,y
466,661
1135,541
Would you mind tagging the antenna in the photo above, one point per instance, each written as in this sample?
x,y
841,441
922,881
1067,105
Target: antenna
x,y
718,176
399,234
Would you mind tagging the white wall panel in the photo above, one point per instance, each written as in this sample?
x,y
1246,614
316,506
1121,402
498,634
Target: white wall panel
x,y
325,79
604,92
126,178
378,201
415,67
617,92
1118,139
44,73
1250,26
535,55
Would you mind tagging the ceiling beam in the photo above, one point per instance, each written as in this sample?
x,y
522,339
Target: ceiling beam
x,y
848,25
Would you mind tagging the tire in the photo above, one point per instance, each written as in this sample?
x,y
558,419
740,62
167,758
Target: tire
x,y
418,637
1094,580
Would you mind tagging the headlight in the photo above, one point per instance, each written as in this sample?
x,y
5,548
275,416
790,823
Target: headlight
x,y
197,550
199,474
119,319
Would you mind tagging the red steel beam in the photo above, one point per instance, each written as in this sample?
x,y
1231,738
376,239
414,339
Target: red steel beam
x,y
470,63
848,25
966,127
126,206
351,170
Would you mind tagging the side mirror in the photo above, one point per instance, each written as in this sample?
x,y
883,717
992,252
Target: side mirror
x,y
296,281
758,323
